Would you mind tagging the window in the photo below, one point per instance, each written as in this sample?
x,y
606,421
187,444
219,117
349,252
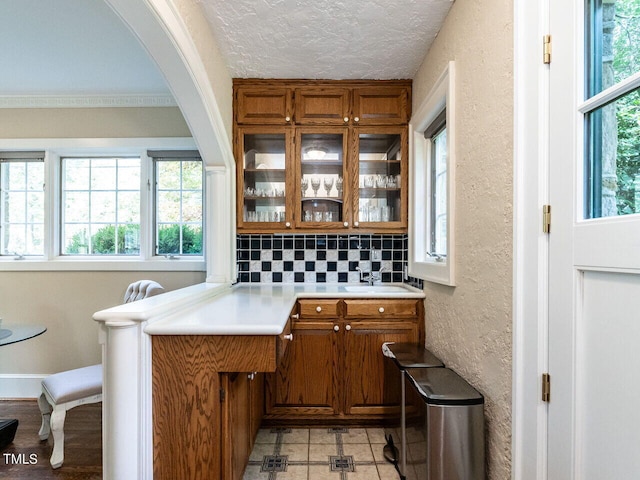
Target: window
x,y
612,109
22,203
178,200
115,206
432,161
101,206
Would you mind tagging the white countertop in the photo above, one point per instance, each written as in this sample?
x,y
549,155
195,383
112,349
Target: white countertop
x,y
260,309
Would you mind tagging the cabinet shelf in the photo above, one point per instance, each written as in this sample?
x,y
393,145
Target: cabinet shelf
x,y
269,199
320,199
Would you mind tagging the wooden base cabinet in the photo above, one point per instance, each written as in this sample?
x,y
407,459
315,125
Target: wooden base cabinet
x,y
334,372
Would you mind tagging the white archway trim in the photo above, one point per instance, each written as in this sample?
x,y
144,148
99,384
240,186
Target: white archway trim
x,y
163,33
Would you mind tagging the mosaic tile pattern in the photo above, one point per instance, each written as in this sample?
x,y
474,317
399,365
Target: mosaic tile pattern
x,y
321,258
319,454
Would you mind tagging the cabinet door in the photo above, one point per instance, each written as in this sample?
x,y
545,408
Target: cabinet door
x,y
263,106
371,381
321,170
380,190
264,189
238,440
322,106
306,382
380,106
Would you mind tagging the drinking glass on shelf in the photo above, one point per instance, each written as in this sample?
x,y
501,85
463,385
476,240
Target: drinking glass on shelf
x,y
307,215
339,185
391,182
328,184
386,213
305,184
328,216
317,216
315,185
363,214
368,181
381,181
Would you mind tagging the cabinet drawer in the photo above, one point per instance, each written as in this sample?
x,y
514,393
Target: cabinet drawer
x,y
320,308
383,308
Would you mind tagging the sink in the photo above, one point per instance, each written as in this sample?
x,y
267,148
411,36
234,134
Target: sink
x,y
375,289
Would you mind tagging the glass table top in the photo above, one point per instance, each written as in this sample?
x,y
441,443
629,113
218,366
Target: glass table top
x,y
17,333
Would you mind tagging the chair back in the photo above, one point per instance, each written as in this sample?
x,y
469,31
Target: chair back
x,y
142,289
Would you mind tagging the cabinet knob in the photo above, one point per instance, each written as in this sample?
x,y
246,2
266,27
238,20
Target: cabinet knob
x,y
336,328
347,328
287,224
295,316
251,376
356,119
287,119
288,336
318,309
346,119
346,224
356,224
381,309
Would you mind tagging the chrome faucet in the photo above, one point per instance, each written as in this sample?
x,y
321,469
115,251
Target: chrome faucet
x,y
370,277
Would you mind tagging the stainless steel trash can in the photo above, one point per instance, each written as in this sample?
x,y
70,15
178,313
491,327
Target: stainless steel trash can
x,y
445,430
404,355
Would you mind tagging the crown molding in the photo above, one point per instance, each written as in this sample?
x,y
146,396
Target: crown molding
x,y
86,101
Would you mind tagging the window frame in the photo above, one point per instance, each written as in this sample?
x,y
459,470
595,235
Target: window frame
x,y
441,98
173,156
53,260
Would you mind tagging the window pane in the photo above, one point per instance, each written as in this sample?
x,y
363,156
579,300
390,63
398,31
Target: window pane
x,y
22,208
613,158
179,207
438,221
101,205
613,39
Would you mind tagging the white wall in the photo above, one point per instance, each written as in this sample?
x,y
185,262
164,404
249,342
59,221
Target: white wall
x,y
469,326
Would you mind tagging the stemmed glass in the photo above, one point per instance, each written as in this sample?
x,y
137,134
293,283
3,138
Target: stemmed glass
x,y
339,183
328,184
315,185
305,185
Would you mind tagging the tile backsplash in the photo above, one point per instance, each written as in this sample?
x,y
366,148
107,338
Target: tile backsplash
x,y
321,258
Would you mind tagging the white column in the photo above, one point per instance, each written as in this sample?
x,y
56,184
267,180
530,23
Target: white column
x,y
220,224
126,408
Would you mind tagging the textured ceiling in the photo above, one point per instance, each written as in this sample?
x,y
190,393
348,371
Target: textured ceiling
x,y
329,39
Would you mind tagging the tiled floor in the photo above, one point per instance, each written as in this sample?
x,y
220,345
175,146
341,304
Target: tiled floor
x,y
319,454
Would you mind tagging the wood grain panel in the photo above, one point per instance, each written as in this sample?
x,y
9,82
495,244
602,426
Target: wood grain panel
x,y
186,409
322,106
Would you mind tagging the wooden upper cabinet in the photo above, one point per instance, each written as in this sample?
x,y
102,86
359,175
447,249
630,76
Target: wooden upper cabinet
x,y
380,106
322,106
263,105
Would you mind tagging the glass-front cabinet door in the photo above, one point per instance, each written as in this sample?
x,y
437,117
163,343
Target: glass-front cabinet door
x,y
263,190
381,192
321,176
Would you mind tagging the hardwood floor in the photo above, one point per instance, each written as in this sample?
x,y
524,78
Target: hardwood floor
x,y
28,457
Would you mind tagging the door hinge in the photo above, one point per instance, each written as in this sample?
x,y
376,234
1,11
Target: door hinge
x,y
546,218
223,395
546,49
546,387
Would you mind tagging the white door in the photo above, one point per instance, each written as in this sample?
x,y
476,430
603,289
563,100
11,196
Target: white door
x,y
594,244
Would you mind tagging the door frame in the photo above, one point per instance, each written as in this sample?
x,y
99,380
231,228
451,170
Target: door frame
x,y
530,268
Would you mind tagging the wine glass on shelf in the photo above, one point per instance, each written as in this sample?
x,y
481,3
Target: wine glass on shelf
x,y
339,185
315,185
305,184
328,184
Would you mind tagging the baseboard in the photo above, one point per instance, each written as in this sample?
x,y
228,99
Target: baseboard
x,y
17,385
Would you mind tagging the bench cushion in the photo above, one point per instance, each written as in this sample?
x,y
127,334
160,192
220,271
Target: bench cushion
x,y
72,385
